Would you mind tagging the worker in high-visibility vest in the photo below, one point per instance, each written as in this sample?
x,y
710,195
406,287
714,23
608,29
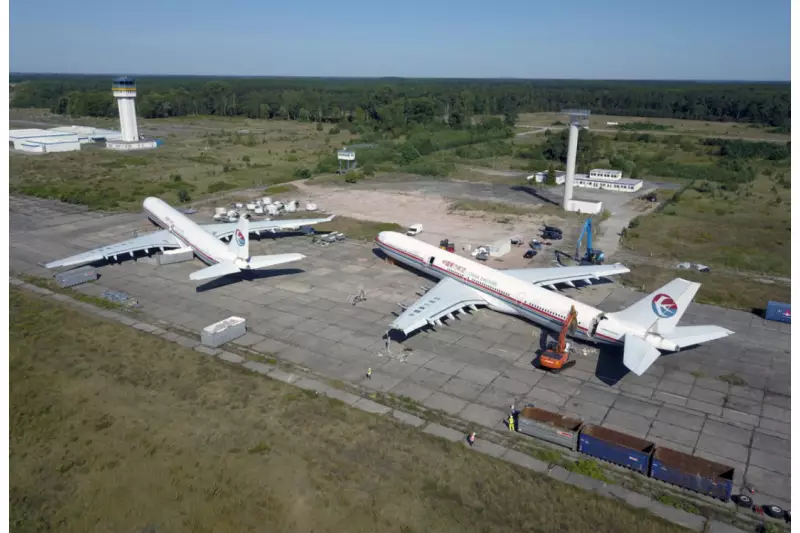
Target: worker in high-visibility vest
x,y
511,422
471,438
369,373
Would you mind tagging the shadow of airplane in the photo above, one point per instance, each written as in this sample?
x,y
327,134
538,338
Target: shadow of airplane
x,y
245,275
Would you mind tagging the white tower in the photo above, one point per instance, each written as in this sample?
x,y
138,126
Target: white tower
x,y
125,92
578,118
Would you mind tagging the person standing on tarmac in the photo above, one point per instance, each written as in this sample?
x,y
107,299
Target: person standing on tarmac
x,y
511,422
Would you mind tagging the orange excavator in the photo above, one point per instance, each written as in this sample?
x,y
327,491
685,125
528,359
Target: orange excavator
x,y
556,358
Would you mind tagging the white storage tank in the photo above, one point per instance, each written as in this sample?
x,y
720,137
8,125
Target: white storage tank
x,y
266,200
220,210
259,210
272,209
311,207
251,207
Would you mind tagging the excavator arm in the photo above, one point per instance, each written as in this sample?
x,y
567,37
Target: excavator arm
x,y
556,359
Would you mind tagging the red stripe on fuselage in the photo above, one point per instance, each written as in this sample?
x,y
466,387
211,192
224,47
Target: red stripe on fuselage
x,y
483,288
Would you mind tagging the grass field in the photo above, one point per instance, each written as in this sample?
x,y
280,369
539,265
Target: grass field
x,y
123,431
724,290
200,156
748,230
679,126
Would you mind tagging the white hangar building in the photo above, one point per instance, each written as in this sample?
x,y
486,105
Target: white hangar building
x,y
60,139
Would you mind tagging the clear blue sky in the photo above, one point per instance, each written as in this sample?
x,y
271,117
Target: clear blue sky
x,y
593,39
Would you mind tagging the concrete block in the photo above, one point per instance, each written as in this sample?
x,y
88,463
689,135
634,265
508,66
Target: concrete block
x,y
709,408
553,398
774,426
445,365
481,376
723,447
719,527
371,407
510,385
770,461
525,461
773,445
489,448
223,331
559,473
312,385
461,388
407,418
680,418
559,384
230,357
677,516
668,397
341,395
445,403
206,350
484,416
777,413
627,422
261,368
738,416
727,432
595,395
445,432
585,410
638,407
248,339
171,257
411,390
682,436
707,395
767,482
584,482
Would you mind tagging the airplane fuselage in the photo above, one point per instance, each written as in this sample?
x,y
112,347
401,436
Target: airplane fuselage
x,y
206,247
503,293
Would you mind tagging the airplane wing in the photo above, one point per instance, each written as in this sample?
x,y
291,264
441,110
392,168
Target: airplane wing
x,y
550,276
158,239
447,297
225,230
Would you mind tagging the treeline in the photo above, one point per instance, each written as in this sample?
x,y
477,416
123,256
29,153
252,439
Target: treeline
x,y
395,102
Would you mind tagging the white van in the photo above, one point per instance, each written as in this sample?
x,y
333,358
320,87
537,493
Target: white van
x,y
416,229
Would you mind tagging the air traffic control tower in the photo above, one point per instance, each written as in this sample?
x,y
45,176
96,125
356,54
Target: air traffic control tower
x,y
578,118
124,90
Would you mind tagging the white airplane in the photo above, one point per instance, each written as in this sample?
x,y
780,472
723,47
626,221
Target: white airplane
x,y
204,240
643,329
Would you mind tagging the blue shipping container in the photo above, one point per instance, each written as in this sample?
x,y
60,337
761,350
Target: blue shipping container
x,y
615,447
779,312
693,473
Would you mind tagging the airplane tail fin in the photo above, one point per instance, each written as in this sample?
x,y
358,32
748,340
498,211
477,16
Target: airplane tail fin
x,y
240,240
660,311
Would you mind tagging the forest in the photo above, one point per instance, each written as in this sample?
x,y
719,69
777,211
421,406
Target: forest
x,y
391,104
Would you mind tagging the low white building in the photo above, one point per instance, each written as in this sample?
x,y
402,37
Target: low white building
x,y
43,141
606,179
540,177
598,178
87,134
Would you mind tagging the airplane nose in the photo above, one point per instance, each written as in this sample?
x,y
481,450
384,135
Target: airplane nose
x,y
382,236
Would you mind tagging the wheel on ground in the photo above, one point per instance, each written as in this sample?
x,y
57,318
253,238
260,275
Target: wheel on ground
x,y
774,511
743,500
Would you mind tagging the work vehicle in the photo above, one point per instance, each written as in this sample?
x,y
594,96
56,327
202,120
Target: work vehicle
x,y
592,256
445,244
415,229
556,358
529,253
552,235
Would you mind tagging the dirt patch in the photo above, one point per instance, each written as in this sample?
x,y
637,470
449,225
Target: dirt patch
x,y
433,212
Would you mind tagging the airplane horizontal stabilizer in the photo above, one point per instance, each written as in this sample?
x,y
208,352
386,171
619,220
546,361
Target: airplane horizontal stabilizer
x,y
215,271
638,354
263,261
690,335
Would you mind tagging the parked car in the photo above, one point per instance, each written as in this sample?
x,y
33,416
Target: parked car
x,y
529,253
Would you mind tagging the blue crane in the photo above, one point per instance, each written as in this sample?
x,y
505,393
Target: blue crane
x,y
592,256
